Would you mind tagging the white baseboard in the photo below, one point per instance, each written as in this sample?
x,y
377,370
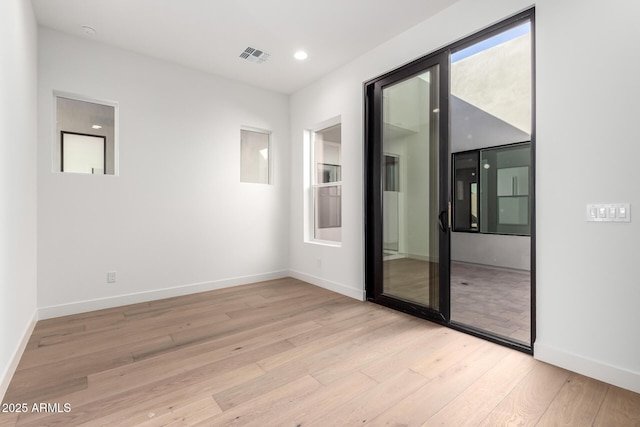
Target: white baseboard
x,y
327,284
422,257
591,368
7,374
120,300
401,255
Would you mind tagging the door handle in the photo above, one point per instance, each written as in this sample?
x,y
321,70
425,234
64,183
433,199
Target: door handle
x,y
441,219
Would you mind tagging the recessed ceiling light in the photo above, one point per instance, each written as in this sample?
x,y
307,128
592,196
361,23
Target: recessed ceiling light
x,y
300,55
96,127
88,30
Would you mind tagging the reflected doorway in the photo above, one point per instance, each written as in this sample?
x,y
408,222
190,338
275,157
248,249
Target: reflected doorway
x,y
391,206
410,132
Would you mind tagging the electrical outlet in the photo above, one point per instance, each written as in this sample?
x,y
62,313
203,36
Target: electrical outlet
x,y
111,277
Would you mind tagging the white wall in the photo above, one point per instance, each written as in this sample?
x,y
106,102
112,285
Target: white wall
x,y
588,288
339,268
587,152
498,250
176,219
18,84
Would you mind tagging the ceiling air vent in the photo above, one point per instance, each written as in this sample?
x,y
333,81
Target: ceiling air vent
x,y
254,55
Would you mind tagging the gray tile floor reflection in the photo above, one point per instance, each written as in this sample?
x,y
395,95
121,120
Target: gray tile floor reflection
x,y
493,299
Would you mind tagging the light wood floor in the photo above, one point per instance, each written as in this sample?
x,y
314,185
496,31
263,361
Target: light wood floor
x,y
285,353
408,279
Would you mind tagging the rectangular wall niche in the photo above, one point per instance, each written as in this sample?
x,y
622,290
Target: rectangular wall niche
x,y
85,136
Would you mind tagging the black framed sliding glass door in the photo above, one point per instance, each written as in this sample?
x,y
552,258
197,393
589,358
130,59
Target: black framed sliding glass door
x,y
450,185
407,148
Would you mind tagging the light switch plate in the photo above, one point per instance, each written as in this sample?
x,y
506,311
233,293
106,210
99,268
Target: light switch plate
x,y
609,212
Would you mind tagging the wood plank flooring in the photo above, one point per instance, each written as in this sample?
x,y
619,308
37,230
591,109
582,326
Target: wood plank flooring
x,y
286,353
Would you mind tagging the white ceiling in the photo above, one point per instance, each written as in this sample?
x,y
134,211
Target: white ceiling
x,y
209,35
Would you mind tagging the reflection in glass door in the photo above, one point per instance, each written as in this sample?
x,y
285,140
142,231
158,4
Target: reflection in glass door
x,y
410,132
391,205
409,225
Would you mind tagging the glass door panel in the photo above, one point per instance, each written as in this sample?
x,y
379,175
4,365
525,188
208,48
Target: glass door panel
x,y
491,133
411,196
456,247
